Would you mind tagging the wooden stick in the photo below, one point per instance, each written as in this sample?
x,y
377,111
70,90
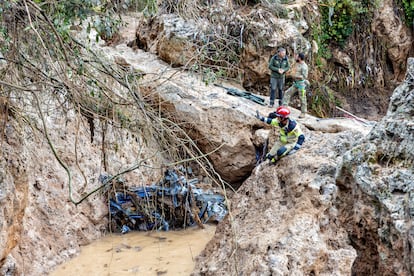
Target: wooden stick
x,y
352,115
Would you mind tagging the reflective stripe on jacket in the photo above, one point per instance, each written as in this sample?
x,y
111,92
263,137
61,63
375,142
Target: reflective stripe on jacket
x,y
291,133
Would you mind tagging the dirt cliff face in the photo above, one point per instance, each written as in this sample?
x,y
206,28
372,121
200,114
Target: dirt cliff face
x,y
13,197
39,226
394,32
373,61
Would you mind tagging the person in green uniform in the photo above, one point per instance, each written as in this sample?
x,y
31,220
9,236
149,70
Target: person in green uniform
x,y
300,76
278,65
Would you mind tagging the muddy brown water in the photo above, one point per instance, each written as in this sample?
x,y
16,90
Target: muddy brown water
x,y
140,253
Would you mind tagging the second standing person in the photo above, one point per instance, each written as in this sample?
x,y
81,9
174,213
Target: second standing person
x,y
300,75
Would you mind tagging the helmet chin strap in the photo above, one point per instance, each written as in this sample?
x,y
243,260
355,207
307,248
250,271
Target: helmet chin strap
x,y
284,120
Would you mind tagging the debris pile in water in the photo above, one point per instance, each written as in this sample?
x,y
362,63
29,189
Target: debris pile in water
x,y
173,203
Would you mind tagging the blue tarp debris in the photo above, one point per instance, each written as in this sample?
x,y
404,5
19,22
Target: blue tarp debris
x,y
173,203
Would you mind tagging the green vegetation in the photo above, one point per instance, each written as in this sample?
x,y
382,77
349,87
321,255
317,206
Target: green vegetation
x,y
63,14
323,44
341,20
337,23
324,101
148,7
408,6
338,18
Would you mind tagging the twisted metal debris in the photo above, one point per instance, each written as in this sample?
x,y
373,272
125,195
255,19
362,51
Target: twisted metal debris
x,y
173,203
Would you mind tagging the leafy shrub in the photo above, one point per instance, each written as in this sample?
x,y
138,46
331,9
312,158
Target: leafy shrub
x,y
337,19
408,6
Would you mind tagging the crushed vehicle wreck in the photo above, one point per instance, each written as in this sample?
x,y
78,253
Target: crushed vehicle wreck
x,y
173,203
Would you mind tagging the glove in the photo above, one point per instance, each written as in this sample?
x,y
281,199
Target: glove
x,y
258,116
272,115
272,159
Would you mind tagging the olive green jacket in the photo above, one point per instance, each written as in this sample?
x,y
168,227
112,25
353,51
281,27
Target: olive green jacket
x,y
277,63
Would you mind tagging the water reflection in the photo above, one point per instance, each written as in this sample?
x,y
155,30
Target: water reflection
x,y
140,253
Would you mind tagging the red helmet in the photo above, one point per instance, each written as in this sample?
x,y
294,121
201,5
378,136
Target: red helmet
x,y
283,112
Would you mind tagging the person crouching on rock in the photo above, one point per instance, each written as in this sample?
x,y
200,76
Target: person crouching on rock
x,y
291,137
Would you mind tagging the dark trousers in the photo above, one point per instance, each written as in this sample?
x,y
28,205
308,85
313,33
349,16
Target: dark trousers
x,y
276,85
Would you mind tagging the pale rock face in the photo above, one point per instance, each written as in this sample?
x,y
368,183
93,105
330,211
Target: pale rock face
x,y
379,172
220,124
342,205
213,123
389,26
175,39
284,220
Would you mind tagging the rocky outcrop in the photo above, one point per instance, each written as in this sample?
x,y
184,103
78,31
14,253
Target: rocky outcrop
x,y
302,216
284,219
393,31
258,32
379,174
220,124
342,205
35,233
170,36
